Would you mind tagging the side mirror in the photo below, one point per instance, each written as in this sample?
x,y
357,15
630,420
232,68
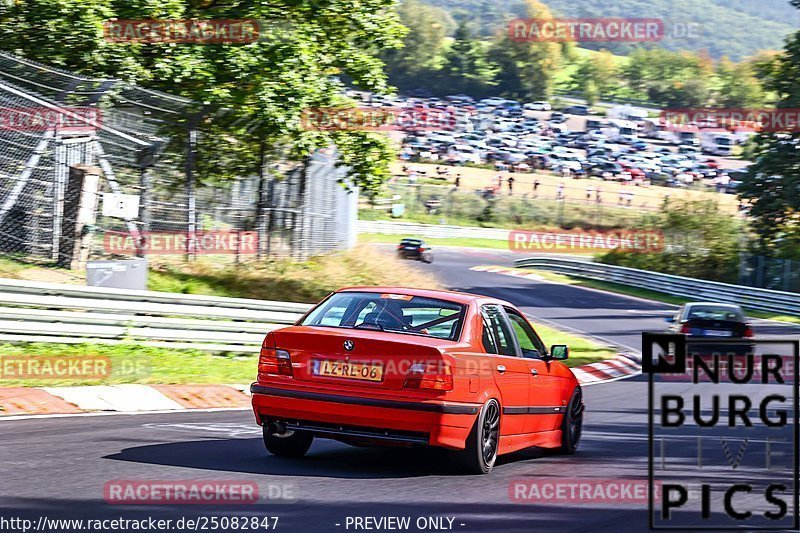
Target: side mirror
x,y
670,319
559,352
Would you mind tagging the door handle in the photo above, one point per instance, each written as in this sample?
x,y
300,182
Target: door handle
x,y
535,372
501,368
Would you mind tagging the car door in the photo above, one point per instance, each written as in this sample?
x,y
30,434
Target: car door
x,y
512,374
546,401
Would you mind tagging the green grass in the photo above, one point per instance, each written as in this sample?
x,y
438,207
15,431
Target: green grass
x,y
648,294
463,242
132,363
582,350
128,363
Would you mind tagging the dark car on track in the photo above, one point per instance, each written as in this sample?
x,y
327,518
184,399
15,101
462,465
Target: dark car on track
x,y
415,249
708,319
722,324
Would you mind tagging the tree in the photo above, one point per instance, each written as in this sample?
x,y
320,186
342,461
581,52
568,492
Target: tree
x,y
423,46
526,68
596,75
738,85
673,79
303,47
467,68
772,186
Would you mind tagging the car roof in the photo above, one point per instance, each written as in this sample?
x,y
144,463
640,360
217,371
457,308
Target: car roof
x,y
719,304
713,304
452,296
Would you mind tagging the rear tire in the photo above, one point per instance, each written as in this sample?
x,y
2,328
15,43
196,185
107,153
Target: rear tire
x,y
482,445
292,444
572,425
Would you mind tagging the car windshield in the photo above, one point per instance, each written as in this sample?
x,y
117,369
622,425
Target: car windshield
x,y
398,313
706,312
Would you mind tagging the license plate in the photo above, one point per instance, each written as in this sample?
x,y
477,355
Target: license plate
x,y
717,333
346,369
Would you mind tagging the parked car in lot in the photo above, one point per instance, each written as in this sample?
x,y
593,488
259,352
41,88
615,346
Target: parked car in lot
x,y
578,110
538,106
606,168
557,117
415,249
412,367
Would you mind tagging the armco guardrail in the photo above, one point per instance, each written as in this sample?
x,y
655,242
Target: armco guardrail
x,y
697,289
51,312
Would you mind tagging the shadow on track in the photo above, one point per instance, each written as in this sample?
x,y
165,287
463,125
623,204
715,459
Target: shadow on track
x,y
326,458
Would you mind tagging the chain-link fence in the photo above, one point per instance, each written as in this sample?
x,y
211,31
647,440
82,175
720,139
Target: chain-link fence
x,y
57,128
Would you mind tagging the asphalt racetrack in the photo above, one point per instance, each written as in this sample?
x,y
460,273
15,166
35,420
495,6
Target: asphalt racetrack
x,y
58,467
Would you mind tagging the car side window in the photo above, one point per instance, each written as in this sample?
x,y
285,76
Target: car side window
x,y
529,342
499,330
488,339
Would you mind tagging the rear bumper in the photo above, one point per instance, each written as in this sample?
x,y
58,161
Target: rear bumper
x,y
444,424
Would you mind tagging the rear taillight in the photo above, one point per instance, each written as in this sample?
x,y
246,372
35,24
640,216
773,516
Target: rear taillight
x,y
686,328
748,331
275,362
431,375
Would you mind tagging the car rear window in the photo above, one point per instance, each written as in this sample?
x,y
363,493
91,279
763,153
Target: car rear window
x,y
398,313
706,312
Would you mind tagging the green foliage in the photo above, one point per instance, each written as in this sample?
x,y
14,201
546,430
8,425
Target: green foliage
x,y
467,68
423,45
733,28
773,185
303,47
739,86
596,76
701,241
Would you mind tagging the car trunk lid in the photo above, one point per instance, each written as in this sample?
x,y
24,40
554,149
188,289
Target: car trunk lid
x,y
354,358
714,328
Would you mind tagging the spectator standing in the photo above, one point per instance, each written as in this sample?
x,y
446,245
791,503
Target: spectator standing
x,y
510,185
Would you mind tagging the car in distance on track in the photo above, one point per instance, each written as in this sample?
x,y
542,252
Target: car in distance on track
x,y
415,249
405,367
709,319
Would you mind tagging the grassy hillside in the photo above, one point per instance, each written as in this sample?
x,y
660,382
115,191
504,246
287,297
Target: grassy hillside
x,y
736,28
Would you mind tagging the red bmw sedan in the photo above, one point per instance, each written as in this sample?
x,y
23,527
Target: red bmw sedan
x,y
398,366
